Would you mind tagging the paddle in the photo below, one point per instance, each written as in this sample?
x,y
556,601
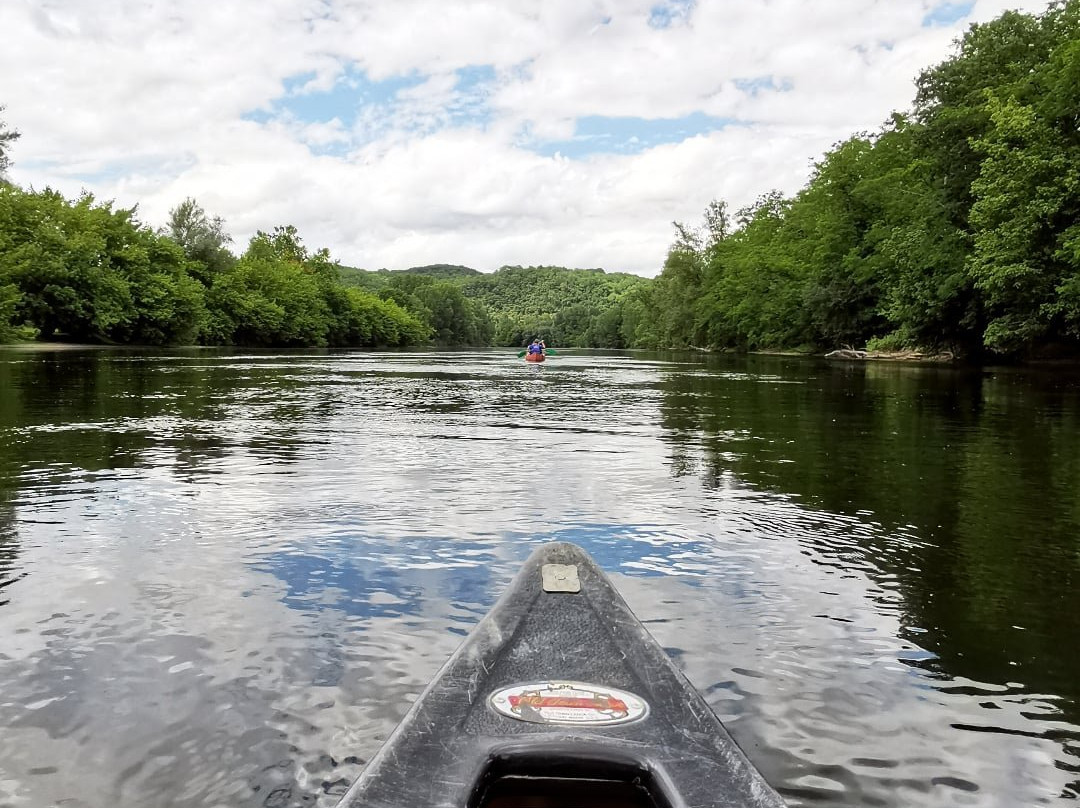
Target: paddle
x,y
547,351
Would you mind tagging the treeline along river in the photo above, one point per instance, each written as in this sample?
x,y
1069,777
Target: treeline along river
x,y
224,577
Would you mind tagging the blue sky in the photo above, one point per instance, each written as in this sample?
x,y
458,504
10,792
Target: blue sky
x,y
948,13
350,92
569,132
353,97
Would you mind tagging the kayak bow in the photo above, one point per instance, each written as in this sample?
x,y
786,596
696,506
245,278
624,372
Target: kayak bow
x,y
560,698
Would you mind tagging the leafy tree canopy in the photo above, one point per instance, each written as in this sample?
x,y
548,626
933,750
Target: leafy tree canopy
x,y
7,137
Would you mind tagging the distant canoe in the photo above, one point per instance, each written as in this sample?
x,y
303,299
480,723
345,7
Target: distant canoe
x,y
535,357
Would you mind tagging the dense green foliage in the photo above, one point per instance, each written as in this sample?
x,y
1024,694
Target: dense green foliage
x,y
83,271
568,307
957,227
431,295
440,305
203,239
7,137
92,273
279,294
442,271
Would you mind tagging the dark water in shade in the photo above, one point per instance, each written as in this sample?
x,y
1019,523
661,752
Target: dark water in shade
x,y
223,578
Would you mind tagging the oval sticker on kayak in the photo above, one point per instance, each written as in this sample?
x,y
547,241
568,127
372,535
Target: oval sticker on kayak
x,y
574,703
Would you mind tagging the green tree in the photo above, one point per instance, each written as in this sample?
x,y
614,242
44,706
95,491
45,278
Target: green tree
x,y
675,292
636,317
265,303
450,317
202,237
754,286
87,272
269,297
604,329
1025,192
570,325
951,100
10,297
169,305
7,137
1026,205
279,294
843,269
928,297
447,310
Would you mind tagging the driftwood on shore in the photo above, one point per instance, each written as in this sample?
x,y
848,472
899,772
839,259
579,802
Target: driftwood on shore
x,y
899,356
847,353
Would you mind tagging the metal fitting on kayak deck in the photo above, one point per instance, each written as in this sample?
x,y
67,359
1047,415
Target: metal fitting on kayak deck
x,y
560,578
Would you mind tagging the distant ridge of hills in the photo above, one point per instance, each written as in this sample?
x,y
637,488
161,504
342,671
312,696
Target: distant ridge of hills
x,y
582,307
351,275
444,271
377,278
441,271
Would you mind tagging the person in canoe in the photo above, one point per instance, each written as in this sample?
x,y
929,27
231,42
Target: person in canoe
x,y
536,351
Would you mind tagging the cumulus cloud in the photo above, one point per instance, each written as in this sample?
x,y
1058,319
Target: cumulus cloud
x,y
469,132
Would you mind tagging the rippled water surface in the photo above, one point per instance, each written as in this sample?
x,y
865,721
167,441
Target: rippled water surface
x,y
223,578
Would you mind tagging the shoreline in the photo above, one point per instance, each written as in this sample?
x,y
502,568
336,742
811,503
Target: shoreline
x,y
850,354
55,346
943,358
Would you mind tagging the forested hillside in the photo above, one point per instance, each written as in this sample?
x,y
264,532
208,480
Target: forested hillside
x,y
380,279
575,307
954,227
568,307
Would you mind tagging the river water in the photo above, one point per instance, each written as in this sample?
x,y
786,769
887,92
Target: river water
x,y
224,577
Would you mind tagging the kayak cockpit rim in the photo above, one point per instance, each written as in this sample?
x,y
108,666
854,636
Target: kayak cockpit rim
x,y
549,775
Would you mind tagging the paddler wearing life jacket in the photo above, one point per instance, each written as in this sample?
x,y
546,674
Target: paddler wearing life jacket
x,y
537,346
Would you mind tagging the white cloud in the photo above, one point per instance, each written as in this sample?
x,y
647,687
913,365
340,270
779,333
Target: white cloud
x,y
149,102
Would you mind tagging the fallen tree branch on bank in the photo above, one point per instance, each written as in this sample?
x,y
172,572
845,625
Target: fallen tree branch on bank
x,y
898,356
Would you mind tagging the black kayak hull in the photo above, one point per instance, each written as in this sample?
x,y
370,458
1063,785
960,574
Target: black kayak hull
x,y
555,696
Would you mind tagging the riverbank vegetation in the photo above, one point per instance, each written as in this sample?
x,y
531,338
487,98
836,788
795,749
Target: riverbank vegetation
x,y
83,271
954,228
